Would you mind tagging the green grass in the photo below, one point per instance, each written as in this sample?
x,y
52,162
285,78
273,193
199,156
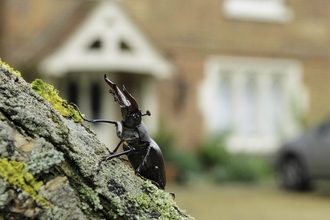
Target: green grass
x,y
233,201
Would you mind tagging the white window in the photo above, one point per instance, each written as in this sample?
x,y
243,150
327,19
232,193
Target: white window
x,y
254,99
224,102
258,10
250,105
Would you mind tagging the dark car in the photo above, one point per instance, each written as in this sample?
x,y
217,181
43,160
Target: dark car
x,y
305,158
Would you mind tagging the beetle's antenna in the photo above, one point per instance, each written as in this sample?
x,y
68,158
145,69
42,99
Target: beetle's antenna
x,y
147,113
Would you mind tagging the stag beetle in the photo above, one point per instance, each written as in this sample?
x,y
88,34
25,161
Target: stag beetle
x,y
143,152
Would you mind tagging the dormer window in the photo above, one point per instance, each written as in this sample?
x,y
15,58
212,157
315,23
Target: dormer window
x,y
258,10
95,45
124,46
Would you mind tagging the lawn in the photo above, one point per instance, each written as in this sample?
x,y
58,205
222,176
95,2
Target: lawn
x,y
263,201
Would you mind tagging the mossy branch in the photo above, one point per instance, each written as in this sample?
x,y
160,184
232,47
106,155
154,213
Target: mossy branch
x,y
49,161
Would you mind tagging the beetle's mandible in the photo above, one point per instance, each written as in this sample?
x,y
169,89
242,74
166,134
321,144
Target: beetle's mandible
x,y
143,152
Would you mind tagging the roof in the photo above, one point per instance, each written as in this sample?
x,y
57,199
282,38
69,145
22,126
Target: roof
x,y
54,34
198,26
106,40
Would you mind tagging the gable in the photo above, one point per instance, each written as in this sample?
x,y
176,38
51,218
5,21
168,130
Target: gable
x,y
106,41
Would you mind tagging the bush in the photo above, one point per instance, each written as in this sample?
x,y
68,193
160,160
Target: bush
x,y
166,141
187,165
212,152
242,168
212,159
224,166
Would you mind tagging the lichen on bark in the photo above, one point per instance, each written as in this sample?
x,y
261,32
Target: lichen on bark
x,y
62,156
49,93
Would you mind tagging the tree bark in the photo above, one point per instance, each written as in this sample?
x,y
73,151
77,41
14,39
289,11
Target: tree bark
x,y
48,166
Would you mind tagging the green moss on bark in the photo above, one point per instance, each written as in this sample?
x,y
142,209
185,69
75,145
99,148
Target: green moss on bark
x,y
91,196
49,93
9,68
15,173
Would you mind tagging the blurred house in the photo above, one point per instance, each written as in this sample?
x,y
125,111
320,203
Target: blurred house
x,y
255,70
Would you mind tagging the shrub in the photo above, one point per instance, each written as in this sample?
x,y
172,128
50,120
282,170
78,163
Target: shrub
x,y
212,159
166,141
212,152
187,165
242,169
224,166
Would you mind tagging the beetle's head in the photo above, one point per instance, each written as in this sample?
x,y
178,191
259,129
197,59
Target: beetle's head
x,y
130,111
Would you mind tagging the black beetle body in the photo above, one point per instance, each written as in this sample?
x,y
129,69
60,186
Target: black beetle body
x,y
143,153
149,163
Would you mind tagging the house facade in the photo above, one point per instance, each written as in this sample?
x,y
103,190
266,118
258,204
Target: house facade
x,y
254,70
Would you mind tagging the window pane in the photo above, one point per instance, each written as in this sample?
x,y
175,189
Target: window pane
x,y
224,116
96,97
73,92
276,99
250,105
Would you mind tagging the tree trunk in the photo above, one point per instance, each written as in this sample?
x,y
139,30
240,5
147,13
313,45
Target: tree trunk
x,y
48,166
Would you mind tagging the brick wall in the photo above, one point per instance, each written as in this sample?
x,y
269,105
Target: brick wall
x,y
189,31
2,17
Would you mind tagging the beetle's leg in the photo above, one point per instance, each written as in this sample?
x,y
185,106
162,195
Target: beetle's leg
x,y
113,156
119,128
115,150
